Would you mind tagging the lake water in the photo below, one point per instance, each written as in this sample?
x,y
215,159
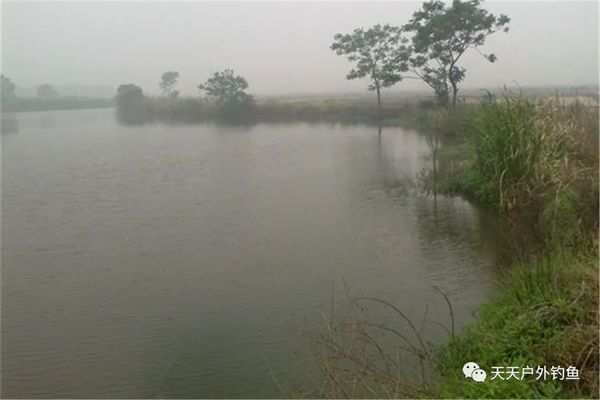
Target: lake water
x,y
191,260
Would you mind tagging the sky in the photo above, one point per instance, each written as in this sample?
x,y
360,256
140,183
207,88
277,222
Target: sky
x,y
280,48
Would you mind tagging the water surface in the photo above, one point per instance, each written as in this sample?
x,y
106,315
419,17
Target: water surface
x,y
187,261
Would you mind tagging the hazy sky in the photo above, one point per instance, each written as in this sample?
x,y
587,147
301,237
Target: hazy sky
x,y
279,47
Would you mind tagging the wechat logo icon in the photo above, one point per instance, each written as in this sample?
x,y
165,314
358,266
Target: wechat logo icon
x,y
471,370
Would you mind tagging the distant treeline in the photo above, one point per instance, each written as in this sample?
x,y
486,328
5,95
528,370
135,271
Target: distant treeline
x,y
428,48
133,107
190,110
47,99
228,101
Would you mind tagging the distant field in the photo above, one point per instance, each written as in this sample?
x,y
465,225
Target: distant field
x,y
393,100
589,101
60,103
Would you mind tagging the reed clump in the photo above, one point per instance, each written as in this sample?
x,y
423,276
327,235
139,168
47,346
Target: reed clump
x,y
360,357
523,150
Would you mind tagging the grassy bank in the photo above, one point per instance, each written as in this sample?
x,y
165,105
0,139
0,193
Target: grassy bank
x,y
545,314
538,159
523,158
534,163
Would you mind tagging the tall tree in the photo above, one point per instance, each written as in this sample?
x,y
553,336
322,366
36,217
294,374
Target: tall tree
x,y
46,91
130,103
167,83
442,35
226,87
374,52
129,95
8,89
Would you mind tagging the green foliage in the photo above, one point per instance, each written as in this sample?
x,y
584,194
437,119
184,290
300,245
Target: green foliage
x,y
452,123
508,151
46,91
167,83
202,109
452,168
130,103
227,88
179,109
48,99
545,314
441,37
327,110
129,95
8,89
535,159
375,53
519,156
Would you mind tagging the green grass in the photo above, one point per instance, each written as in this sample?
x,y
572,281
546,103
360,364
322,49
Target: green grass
x,y
538,159
528,154
545,314
516,155
507,152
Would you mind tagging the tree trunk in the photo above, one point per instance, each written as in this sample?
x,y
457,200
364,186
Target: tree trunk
x,y
378,101
379,142
454,93
442,94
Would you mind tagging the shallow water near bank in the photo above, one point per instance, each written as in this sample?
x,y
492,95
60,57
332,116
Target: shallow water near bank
x,y
189,260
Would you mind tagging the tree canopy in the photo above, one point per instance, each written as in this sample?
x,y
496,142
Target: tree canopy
x,y
226,87
46,91
130,103
375,54
442,35
167,83
8,88
128,92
